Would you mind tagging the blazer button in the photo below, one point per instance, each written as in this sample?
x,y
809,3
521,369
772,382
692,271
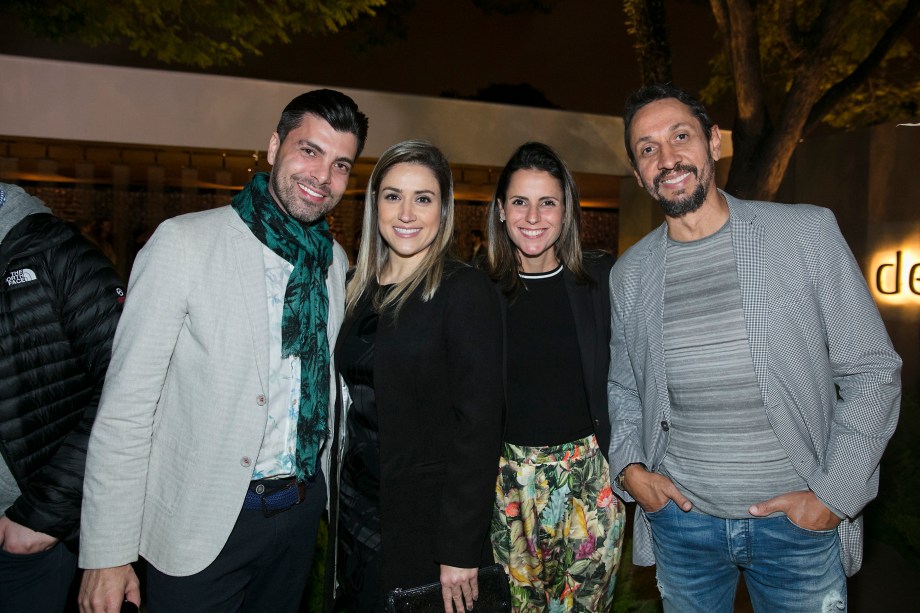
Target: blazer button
x,y
245,461
665,426
260,400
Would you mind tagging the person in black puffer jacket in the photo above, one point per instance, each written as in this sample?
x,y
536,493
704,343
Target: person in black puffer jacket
x,y
60,299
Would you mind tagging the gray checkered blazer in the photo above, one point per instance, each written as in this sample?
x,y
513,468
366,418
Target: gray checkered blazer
x,y
811,325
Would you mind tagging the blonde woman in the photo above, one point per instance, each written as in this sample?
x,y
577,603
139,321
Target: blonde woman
x,y
420,353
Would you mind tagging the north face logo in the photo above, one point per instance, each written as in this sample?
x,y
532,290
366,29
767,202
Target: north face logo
x,y
23,275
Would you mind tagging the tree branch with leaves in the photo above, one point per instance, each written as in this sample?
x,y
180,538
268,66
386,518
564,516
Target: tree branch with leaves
x,y
199,33
790,65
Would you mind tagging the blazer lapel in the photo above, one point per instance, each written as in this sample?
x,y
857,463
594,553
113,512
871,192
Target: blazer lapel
x,y
503,311
748,246
247,251
652,288
585,326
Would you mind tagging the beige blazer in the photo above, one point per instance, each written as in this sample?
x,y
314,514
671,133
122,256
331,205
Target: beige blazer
x,y
184,405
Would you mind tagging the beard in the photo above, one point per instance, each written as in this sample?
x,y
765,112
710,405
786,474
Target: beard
x,y
678,207
287,196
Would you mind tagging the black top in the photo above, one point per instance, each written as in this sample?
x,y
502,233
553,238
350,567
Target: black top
x,y
590,308
359,519
547,404
361,461
437,390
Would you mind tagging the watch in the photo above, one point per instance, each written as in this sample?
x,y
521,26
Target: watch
x,y
620,480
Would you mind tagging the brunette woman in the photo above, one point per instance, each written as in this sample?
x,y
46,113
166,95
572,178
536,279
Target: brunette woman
x,y
420,353
557,527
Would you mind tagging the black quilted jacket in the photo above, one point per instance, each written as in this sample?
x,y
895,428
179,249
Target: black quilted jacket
x,y
60,300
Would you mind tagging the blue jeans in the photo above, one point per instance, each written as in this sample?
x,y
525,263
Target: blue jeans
x,y
786,568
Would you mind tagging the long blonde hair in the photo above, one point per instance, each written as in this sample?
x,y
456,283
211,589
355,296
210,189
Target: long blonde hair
x,y
374,251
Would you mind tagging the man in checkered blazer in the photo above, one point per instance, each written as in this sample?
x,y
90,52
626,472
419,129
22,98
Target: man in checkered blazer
x,y
752,385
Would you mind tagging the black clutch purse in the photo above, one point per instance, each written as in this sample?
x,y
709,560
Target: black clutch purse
x,y
494,595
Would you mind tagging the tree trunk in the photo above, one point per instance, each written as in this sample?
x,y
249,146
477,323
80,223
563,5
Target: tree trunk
x,y
764,144
760,157
765,141
645,21
758,166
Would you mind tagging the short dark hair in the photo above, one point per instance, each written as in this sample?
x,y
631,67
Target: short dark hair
x,y
661,91
334,107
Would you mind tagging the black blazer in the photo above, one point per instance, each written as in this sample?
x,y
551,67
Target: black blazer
x,y
591,311
437,386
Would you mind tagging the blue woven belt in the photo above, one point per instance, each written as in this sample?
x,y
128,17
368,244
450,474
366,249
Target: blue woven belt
x,y
279,497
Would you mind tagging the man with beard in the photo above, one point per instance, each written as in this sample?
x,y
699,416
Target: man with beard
x,y
752,386
208,453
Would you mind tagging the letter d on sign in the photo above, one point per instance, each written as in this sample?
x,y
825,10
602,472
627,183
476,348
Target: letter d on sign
x,y
897,275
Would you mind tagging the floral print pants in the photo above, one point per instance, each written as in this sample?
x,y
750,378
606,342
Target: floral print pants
x,y
557,528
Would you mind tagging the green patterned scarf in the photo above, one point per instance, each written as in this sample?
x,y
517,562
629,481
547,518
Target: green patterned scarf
x,y
306,307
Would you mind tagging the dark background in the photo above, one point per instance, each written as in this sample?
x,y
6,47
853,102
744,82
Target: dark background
x,y
579,56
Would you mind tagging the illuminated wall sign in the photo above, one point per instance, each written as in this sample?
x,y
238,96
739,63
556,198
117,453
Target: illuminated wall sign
x,y
894,276
889,279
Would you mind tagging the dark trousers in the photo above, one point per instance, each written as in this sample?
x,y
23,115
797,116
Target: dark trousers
x,y
36,581
263,566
